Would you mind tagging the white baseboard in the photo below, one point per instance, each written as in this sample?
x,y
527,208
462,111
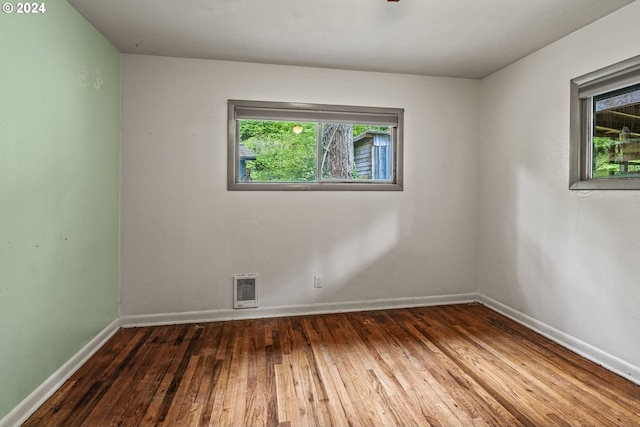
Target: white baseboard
x,y
606,360
291,310
31,403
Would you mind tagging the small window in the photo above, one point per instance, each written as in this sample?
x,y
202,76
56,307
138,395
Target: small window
x,y
291,146
605,128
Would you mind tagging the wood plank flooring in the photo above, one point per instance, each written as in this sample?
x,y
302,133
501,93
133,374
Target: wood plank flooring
x,y
459,365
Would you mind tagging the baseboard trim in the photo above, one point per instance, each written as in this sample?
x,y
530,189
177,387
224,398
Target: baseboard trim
x,y
602,358
31,403
292,310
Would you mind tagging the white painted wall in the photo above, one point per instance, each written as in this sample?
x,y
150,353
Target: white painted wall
x,y
184,235
570,259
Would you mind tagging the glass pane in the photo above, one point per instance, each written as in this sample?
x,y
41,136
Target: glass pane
x,y
355,152
616,134
277,151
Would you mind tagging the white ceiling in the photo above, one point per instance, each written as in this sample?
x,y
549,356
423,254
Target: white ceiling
x,y
456,38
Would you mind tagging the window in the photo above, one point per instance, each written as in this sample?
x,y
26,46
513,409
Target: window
x,y
292,146
605,128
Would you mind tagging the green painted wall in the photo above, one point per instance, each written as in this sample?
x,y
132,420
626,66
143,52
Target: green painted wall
x,y
59,203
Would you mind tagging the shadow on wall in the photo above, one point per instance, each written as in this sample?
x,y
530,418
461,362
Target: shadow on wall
x,y
568,255
351,245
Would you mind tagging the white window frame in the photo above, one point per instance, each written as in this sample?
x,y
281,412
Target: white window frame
x,y
583,90
288,111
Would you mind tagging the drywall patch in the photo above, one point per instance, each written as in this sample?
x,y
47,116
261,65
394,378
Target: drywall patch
x,y
88,79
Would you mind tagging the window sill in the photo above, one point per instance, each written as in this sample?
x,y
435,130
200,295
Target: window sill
x,y
311,186
607,184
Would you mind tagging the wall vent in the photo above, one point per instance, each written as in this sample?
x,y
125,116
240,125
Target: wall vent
x,y
245,290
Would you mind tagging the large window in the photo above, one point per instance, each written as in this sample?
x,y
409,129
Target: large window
x,y
292,146
605,129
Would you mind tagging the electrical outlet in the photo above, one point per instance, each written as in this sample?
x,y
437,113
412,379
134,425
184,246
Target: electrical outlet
x,y
317,281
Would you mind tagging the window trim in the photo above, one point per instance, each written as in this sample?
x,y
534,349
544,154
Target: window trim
x,y
292,111
583,89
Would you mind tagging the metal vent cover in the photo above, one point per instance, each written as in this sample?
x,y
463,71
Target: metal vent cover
x,y
245,291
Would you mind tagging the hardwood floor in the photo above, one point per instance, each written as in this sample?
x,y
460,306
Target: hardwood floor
x,y
459,365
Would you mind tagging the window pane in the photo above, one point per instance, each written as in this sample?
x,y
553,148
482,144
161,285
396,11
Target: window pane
x,y
616,134
277,151
297,146
355,152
